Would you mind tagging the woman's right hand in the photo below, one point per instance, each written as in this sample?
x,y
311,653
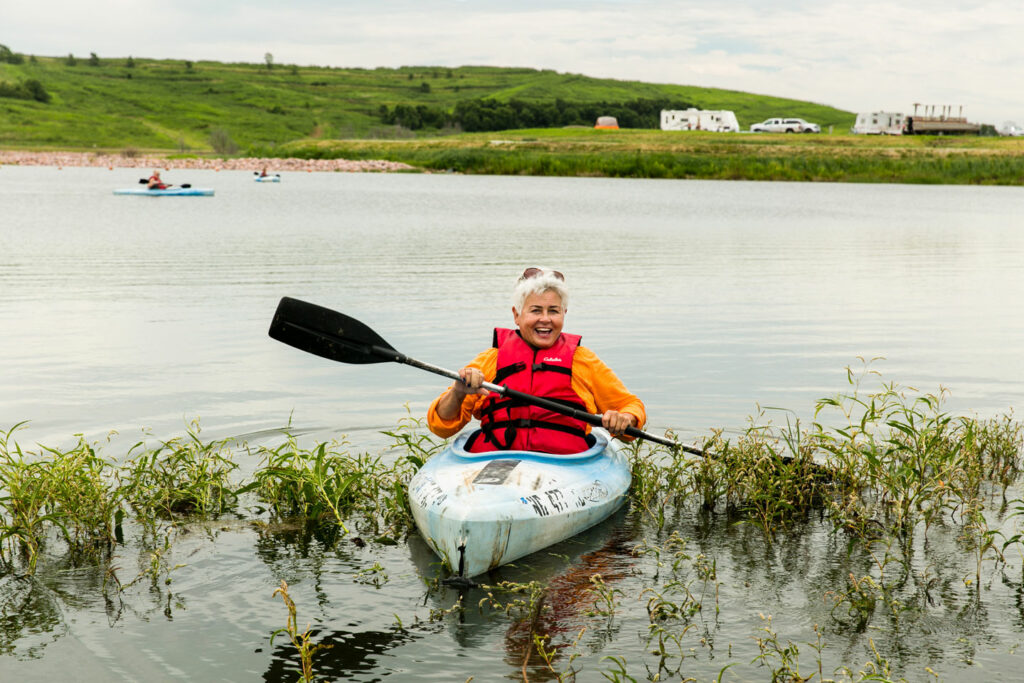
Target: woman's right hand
x,y
471,382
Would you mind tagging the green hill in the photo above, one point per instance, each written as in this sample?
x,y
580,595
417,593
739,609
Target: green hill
x,y
202,106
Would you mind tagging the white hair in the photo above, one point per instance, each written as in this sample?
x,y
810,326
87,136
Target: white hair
x,y
539,284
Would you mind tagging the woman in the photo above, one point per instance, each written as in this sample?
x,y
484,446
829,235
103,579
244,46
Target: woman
x,y
155,183
539,359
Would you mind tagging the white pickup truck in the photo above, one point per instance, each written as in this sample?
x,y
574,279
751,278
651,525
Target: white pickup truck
x,y
785,126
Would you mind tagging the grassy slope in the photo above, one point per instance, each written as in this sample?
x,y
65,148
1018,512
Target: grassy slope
x,y
164,105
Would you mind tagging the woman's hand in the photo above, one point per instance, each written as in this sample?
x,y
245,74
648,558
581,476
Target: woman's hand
x,y
616,422
470,383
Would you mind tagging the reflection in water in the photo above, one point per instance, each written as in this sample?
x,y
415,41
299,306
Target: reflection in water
x,y
566,599
30,616
350,654
563,572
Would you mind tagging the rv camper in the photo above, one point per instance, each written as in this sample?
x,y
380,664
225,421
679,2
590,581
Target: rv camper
x,y
879,123
699,119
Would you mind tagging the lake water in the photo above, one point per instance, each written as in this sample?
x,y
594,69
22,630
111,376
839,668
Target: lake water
x,y
707,298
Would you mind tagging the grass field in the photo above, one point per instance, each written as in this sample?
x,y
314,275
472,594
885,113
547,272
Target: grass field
x,y
662,154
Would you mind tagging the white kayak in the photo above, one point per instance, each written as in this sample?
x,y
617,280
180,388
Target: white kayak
x,y
267,179
168,192
479,511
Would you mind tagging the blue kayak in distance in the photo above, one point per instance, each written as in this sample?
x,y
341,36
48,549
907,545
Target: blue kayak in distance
x,y
267,178
169,192
479,511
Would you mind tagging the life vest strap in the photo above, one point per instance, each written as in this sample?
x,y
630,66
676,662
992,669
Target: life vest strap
x,y
504,372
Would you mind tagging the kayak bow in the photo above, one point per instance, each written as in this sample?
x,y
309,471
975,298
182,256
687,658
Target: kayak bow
x,y
479,511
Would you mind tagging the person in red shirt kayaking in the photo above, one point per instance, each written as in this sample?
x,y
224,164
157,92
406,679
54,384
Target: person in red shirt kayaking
x,y
536,358
155,183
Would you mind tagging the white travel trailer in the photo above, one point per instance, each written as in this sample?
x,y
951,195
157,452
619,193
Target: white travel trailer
x,y
723,121
1010,128
879,123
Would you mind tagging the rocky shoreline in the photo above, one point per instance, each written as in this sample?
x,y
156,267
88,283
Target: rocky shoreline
x,y
290,165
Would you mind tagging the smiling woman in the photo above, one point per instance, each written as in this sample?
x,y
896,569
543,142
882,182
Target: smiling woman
x,y
539,359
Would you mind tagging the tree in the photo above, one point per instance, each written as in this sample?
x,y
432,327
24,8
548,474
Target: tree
x,y
70,60
269,59
36,90
130,63
6,55
94,59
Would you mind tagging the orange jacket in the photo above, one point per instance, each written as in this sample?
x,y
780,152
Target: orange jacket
x,y
592,380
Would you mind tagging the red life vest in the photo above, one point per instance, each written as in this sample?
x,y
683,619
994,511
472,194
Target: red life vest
x,y
508,424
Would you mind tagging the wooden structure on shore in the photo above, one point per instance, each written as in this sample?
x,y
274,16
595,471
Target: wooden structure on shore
x,y
939,120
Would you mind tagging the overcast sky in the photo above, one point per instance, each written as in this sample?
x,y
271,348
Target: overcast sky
x,y
866,55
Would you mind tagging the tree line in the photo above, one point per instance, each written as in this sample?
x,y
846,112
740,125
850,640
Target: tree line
x,y
487,114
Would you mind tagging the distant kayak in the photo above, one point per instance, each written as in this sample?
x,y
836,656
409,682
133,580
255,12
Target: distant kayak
x,y
267,179
169,192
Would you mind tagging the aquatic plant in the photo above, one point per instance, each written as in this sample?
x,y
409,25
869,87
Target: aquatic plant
x,y
24,504
316,483
302,641
375,576
71,492
327,482
184,475
782,660
606,599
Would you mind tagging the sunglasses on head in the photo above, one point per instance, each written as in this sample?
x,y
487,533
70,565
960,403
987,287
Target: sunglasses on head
x,y
534,272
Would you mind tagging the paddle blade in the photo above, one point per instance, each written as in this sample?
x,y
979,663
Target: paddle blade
x,y
329,334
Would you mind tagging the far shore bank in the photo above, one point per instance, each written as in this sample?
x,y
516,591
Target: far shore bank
x,y
286,165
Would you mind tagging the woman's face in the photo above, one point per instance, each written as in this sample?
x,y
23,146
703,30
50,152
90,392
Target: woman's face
x,y
540,321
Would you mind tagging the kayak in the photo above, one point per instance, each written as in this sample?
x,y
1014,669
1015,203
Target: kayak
x,y
479,511
169,192
267,179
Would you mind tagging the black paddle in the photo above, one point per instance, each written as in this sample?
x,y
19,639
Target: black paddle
x,y
335,336
145,181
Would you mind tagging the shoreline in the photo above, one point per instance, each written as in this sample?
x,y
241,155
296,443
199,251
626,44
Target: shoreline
x,y
273,165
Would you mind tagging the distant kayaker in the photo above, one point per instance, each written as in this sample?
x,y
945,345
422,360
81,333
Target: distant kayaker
x,y
263,173
155,183
539,359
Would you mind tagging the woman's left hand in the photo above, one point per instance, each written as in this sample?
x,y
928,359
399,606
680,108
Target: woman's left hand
x,y
616,422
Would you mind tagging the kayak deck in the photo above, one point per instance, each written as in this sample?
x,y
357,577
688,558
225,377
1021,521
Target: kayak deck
x,y
479,511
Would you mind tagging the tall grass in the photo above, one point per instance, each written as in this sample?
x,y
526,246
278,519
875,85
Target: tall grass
x,y
674,155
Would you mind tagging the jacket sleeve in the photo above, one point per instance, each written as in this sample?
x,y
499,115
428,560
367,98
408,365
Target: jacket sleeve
x,y
605,389
487,363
